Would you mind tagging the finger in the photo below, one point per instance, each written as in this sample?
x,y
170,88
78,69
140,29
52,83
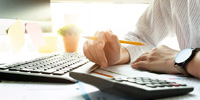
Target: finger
x,y
86,52
90,51
143,57
145,65
101,57
101,39
141,65
100,50
113,41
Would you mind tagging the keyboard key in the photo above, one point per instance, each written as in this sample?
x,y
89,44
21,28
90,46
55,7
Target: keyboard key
x,y
59,73
37,71
25,70
49,71
3,67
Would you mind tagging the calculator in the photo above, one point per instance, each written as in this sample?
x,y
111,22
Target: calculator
x,y
132,87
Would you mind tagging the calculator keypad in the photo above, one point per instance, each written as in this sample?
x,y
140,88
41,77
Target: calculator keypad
x,y
145,81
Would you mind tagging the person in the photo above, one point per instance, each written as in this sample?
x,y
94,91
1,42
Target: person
x,y
161,19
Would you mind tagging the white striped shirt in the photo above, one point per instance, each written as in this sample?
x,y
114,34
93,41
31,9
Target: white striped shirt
x,y
164,18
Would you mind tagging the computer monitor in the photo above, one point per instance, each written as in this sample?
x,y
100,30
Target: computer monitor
x,y
36,10
28,11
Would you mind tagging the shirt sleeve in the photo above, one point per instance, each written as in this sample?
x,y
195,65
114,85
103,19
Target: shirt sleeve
x,y
151,28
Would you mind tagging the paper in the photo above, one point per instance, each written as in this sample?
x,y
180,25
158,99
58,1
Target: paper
x,y
16,36
126,70
51,44
36,34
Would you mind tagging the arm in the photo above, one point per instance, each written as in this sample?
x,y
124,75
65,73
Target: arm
x,y
152,27
161,59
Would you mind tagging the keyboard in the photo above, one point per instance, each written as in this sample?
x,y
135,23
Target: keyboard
x,y
52,68
132,87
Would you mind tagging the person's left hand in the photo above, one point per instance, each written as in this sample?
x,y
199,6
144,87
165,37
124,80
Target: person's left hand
x,y
160,59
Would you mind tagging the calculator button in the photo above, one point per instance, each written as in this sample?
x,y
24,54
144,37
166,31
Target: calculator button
x,y
162,81
119,79
183,84
174,84
147,82
132,80
123,78
155,82
166,85
159,85
140,82
110,78
130,77
146,78
151,85
138,78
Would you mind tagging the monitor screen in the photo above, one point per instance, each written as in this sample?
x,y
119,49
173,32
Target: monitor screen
x,y
36,10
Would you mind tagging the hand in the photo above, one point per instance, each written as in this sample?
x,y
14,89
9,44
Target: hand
x,y
106,50
160,59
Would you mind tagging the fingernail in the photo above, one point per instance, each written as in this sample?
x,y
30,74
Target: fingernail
x,y
103,65
100,44
133,65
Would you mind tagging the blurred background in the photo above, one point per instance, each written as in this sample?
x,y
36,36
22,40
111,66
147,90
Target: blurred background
x,y
120,16
90,15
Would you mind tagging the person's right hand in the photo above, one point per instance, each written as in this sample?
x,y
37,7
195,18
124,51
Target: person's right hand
x,y
106,50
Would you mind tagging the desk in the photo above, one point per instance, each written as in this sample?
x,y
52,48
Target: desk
x,y
12,90
38,91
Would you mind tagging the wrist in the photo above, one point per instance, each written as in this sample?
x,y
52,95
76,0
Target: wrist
x,y
124,56
193,67
171,64
184,58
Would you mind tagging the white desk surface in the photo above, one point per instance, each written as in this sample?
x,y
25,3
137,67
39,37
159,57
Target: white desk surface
x,y
12,90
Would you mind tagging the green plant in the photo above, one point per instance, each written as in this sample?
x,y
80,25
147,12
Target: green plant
x,y
71,30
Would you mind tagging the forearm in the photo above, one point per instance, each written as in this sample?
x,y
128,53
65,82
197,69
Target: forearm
x,y
193,66
145,31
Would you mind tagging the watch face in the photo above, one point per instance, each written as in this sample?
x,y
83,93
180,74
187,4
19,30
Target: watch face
x,y
183,55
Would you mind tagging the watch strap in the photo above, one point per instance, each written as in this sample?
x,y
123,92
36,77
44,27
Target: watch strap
x,y
182,67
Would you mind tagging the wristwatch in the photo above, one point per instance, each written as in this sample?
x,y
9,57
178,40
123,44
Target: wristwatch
x,y
183,58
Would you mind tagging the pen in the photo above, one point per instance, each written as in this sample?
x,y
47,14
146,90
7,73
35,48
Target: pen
x,y
121,41
103,74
